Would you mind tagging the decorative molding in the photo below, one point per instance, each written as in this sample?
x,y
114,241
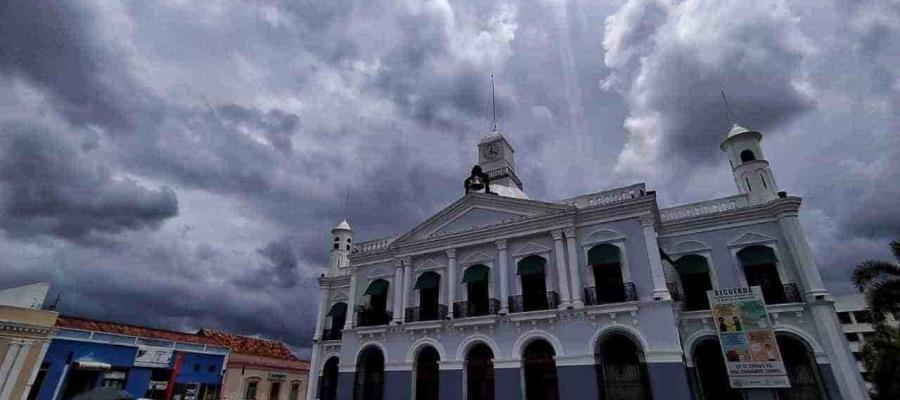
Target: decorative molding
x,y
688,246
569,231
379,272
428,265
647,220
602,236
530,248
501,244
556,234
476,258
451,253
751,238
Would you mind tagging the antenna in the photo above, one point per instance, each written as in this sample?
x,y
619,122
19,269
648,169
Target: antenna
x,y
346,200
727,108
493,103
55,304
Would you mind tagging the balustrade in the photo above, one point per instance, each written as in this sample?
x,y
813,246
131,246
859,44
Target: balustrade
x,y
416,314
372,317
519,303
464,309
610,294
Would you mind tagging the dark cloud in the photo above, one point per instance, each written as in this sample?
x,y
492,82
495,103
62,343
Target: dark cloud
x,y
52,187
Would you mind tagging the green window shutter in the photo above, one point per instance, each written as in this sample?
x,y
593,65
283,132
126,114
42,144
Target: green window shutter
x,y
338,309
691,264
603,254
531,265
756,255
476,274
377,287
428,280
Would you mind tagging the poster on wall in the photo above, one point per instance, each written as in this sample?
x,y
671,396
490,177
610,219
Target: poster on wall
x,y
747,338
152,357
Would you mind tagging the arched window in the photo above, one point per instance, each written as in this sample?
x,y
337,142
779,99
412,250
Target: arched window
x,y
480,373
428,285
712,377
760,268
806,383
338,315
337,243
294,394
329,379
477,278
747,155
621,372
369,380
375,313
540,371
251,389
609,286
694,273
427,374
534,286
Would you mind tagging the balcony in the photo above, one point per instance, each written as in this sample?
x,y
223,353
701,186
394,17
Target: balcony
x,y
416,314
372,317
519,303
607,295
332,334
465,309
788,294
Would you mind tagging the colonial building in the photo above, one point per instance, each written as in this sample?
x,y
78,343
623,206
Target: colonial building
x,y
600,296
25,332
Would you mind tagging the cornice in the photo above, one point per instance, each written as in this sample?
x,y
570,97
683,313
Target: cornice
x,y
26,329
776,208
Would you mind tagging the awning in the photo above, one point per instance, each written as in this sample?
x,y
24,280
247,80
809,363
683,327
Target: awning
x,y
691,264
92,365
756,255
531,265
476,274
377,287
338,309
603,254
428,280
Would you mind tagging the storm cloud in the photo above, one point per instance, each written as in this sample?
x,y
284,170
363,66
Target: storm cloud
x,y
177,165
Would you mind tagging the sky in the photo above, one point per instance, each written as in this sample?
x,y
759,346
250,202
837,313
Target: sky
x,y
179,164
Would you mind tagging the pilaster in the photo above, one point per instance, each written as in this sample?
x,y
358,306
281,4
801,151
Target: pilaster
x,y
503,260
660,291
559,255
451,280
574,267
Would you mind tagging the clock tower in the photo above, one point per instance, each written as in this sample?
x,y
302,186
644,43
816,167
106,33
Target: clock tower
x,y
497,159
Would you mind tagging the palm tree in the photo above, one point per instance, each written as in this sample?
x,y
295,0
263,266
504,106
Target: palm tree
x,y
880,281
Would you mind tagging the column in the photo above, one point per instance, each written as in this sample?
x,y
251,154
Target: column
x,y
320,317
12,352
504,276
407,286
799,249
559,254
312,383
351,302
451,281
19,354
660,291
574,268
398,292
34,371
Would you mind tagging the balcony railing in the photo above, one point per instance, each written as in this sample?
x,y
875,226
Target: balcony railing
x,y
416,314
372,317
465,309
332,334
788,294
518,304
608,295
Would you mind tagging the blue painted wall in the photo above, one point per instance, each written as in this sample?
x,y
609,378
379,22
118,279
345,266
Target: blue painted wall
x,y
669,381
345,386
397,385
577,382
451,384
507,384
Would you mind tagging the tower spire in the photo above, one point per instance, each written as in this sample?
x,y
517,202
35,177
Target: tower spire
x,y
727,108
493,104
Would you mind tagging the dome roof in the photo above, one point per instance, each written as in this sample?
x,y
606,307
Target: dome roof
x,y
736,130
491,136
344,225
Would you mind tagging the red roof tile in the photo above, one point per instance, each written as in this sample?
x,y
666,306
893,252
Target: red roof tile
x,y
131,330
250,345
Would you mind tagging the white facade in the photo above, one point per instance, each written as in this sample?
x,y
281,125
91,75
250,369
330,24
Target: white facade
x,y
611,265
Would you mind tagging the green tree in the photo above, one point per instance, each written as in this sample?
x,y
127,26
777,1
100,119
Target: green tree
x,y
880,281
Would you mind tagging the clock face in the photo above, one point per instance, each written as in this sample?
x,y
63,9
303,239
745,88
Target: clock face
x,y
491,152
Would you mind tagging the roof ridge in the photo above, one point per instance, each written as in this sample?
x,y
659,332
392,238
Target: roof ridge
x,y
124,324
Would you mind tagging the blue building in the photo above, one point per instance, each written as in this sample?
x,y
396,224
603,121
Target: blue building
x,y
145,362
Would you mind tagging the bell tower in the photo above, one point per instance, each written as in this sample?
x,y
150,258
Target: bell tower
x,y
497,160
341,243
751,171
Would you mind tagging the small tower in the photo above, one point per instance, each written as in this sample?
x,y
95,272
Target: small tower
x,y
496,158
341,243
750,168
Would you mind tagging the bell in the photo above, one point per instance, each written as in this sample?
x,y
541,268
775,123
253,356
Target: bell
x,y
476,183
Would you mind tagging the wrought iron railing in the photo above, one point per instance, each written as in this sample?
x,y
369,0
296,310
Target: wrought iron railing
x,y
332,334
519,303
610,294
464,309
372,317
416,314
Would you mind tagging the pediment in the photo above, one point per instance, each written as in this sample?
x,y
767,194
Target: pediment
x,y
479,211
530,248
476,257
750,238
688,246
428,264
601,236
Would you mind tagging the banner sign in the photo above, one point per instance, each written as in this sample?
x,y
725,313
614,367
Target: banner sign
x,y
747,338
153,357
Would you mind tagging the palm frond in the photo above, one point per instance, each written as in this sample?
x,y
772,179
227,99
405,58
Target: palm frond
x,y
884,297
869,272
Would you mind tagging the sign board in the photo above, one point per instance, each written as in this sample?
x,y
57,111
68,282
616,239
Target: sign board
x,y
277,376
747,338
158,385
153,357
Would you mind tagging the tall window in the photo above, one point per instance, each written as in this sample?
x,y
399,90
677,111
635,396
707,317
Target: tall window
x,y
606,264
274,390
621,373
711,373
369,379
694,273
427,374
476,279
534,287
250,391
480,373
540,372
747,155
760,268
376,312
328,383
295,391
428,286
338,315
806,384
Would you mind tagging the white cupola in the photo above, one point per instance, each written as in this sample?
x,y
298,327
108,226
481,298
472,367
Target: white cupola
x,y
748,165
496,160
341,243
